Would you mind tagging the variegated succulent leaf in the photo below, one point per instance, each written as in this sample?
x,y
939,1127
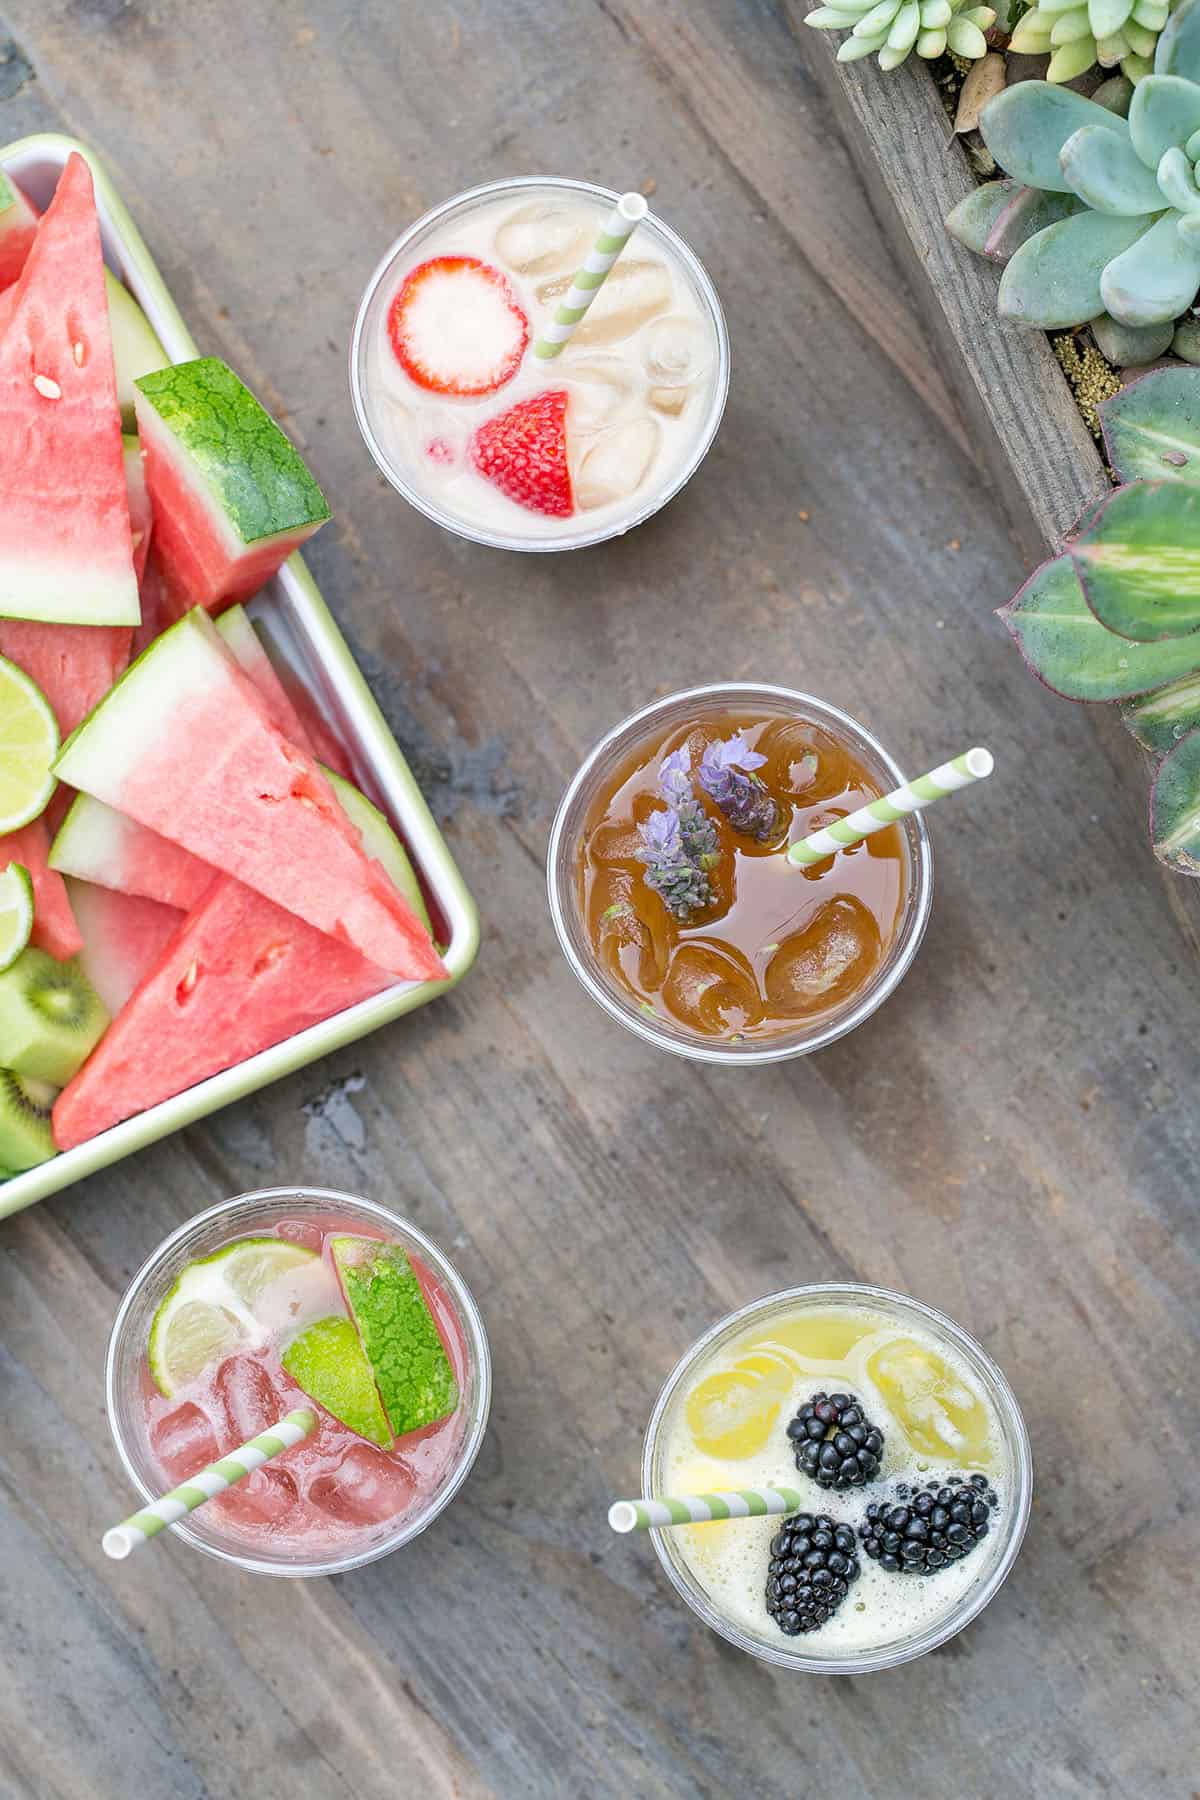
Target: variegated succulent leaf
x,y
1138,560
892,29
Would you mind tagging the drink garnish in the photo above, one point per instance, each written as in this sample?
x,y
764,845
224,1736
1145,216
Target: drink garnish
x,y
328,1361
697,830
211,1309
727,776
921,1530
813,1561
835,1441
670,871
456,326
398,1332
523,452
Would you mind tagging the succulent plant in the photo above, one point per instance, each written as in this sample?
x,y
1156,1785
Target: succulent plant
x,y
1114,33
1117,615
894,27
1128,248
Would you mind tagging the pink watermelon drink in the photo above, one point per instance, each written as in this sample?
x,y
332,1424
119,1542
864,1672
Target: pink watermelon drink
x,y
283,1299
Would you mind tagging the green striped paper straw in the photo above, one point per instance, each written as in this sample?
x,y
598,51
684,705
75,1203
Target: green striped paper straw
x,y
122,1540
586,283
700,1509
971,766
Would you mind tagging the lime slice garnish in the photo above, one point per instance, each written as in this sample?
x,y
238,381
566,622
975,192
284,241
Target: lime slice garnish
x,y
28,747
327,1361
210,1311
16,913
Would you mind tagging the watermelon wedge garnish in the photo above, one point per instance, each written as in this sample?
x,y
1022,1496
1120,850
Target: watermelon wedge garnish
x,y
123,937
240,975
232,497
182,744
244,643
18,228
54,927
66,552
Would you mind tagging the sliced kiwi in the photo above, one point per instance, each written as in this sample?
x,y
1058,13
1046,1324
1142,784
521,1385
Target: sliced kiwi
x,y
50,1019
25,1135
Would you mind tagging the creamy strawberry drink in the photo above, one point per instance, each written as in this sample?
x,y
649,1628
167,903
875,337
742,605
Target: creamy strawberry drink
x,y
281,1301
514,449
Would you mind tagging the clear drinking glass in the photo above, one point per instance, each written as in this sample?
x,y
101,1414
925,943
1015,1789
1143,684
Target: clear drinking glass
x,y
654,721
1003,1542
209,1231
369,320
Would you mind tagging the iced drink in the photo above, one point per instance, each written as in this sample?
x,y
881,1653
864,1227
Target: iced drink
x,y
506,447
292,1301
674,898
906,1444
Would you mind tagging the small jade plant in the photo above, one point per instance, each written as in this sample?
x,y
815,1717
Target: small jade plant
x,y
894,27
1117,616
1078,34
1099,219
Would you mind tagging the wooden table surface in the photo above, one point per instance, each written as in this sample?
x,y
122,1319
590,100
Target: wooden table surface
x,y
1013,1138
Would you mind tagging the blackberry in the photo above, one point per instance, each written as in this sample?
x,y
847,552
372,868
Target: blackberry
x,y
813,1562
924,1529
835,1441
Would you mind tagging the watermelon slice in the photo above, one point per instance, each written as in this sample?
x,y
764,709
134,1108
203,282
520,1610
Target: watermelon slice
x,y
182,745
238,976
54,927
65,548
245,644
141,514
231,494
136,349
74,665
123,938
96,844
18,228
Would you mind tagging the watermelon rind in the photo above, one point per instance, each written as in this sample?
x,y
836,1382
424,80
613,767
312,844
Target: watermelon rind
x,y
136,349
380,841
259,483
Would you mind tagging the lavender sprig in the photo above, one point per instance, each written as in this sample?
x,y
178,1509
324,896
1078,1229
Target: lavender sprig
x,y
727,776
669,870
697,830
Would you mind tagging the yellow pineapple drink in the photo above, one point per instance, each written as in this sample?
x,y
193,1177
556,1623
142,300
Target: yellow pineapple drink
x,y
897,1431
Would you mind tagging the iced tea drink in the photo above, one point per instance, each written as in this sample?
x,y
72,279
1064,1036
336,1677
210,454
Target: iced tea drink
x,y
686,907
500,445
303,1304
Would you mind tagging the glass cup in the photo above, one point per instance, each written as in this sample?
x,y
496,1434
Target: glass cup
x,y
209,1231
369,320
1003,1542
562,866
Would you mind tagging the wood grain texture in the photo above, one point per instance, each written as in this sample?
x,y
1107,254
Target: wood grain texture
x,y
1012,1138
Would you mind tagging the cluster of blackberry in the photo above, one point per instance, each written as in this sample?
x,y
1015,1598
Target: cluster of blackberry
x,y
917,1531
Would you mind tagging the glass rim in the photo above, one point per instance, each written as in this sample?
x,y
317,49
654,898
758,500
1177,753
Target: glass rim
x,y
478,534
478,1348
973,1602
891,973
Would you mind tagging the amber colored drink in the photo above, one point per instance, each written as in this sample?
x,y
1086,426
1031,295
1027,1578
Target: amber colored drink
x,y
775,946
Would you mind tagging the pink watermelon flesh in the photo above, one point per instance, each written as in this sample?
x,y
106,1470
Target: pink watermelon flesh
x,y
238,976
123,938
247,648
141,513
74,665
212,773
18,229
54,927
66,550
157,613
135,861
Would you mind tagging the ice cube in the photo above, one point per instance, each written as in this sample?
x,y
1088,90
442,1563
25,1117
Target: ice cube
x,y
601,387
616,845
266,1497
834,955
675,351
711,987
635,291
184,1441
812,764
248,1398
616,464
668,400
544,236
366,1488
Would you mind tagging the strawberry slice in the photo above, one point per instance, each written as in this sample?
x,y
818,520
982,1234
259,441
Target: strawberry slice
x,y
524,452
456,327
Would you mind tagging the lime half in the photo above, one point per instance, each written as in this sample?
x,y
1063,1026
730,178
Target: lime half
x,y
28,747
16,913
211,1309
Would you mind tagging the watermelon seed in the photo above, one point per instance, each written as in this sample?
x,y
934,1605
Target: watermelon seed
x,y
190,976
48,389
79,353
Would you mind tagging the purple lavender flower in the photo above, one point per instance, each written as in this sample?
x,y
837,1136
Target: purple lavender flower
x,y
697,830
727,776
669,871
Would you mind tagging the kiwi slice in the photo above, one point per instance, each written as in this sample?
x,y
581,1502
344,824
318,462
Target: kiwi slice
x,y
50,1018
25,1135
